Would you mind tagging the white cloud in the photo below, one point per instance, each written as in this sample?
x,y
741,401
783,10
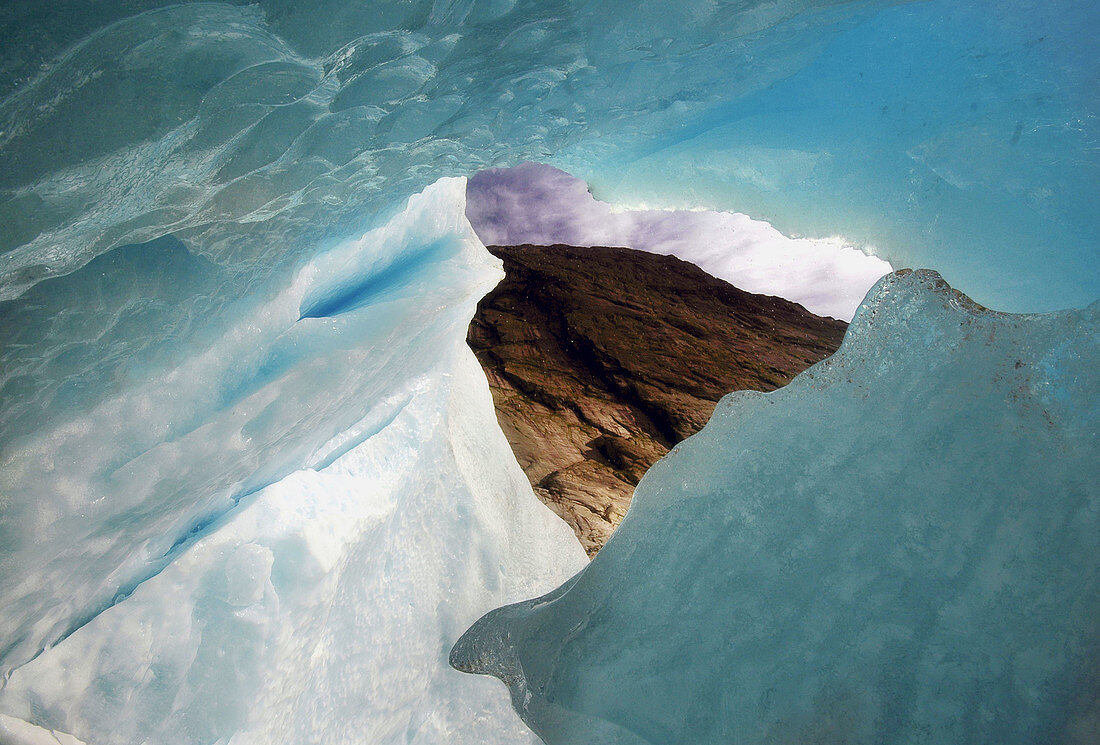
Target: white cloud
x,y
534,203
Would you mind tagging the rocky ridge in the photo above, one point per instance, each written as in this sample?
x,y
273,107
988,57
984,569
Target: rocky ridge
x,y
601,359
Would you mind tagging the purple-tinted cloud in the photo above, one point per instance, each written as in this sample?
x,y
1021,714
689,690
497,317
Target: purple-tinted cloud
x,y
535,203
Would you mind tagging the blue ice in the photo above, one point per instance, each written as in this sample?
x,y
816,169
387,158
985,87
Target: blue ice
x,y
234,391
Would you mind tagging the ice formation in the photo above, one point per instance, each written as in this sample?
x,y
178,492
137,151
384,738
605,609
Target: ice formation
x,y
901,545
232,284
957,134
290,558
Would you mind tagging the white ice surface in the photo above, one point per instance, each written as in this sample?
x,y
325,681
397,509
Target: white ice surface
x,y
323,610
19,732
320,607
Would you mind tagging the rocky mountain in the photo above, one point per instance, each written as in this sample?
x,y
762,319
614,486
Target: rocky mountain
x,y
601,359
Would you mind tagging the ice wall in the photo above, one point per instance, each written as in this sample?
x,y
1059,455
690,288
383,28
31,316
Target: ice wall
x,y
322,609
901,545
202,290
955,134
273,533
960,136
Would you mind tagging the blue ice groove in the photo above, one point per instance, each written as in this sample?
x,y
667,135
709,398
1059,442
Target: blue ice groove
x,y
359,289
399,273
374,423
206,524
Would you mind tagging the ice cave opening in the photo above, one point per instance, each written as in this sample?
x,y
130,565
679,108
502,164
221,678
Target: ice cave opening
x,y
252,486
601,357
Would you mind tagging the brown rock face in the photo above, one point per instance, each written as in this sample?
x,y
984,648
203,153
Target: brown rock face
x,y
601,359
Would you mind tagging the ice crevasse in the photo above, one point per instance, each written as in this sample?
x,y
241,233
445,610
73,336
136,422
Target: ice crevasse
x,y
251,486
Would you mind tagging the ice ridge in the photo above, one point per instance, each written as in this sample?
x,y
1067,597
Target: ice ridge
x,y
113,482
902,544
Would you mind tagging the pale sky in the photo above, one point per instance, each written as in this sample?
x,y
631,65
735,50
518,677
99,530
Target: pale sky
x,y
535,203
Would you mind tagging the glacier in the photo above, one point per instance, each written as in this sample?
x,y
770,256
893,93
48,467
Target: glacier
x,y
251,487
901,545
254,133
290,559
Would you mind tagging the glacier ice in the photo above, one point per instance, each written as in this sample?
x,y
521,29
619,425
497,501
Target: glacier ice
x,y
226,275
959,136
289,558
257,132
323,609
19,732
901,545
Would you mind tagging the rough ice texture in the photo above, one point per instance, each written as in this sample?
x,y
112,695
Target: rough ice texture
x,y
18,732
289,559
192,311
955,134
322,611
901,545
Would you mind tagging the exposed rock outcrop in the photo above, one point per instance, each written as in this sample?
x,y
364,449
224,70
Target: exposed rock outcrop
x,y
600,359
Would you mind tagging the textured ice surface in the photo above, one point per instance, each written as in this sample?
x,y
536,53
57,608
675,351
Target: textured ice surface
x,y
322,610
901,545
955,134
19,732
204,292
287,556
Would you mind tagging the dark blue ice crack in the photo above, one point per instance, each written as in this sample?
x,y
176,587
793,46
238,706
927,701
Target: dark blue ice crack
x,y
199,528
348,297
